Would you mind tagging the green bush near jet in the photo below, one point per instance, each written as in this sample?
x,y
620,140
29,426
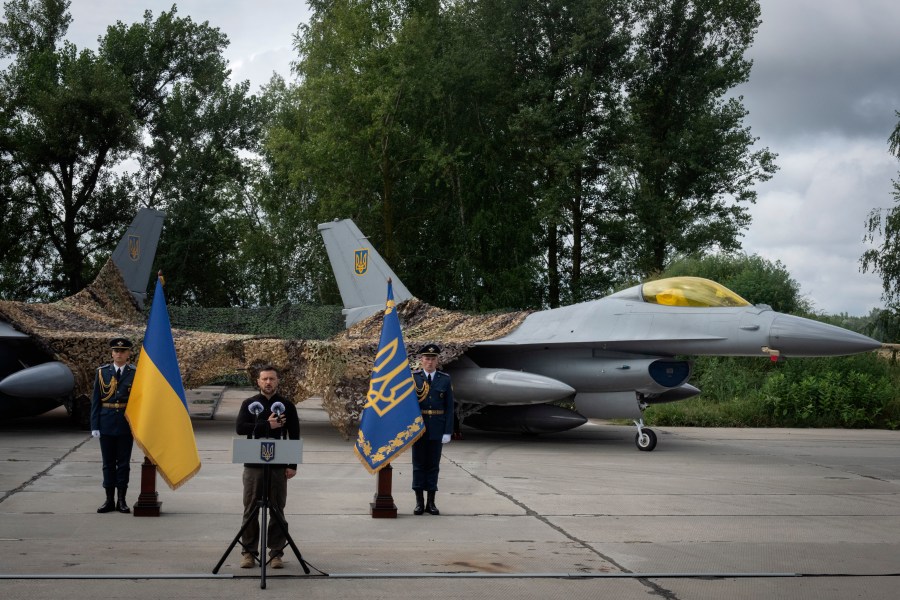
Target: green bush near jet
x,y
854,391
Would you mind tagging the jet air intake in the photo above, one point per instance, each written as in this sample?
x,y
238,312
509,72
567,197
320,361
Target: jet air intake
x,y
669,373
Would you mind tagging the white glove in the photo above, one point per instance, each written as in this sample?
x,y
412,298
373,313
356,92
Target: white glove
x,y
95,432
446,438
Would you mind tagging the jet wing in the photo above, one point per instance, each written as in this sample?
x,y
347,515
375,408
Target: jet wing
x,y
8,332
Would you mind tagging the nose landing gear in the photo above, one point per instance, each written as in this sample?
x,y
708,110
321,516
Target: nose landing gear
x,y
645,439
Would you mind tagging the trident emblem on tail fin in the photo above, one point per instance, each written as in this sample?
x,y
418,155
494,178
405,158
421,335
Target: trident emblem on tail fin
x,y
361,261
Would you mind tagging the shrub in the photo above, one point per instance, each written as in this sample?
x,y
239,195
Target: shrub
x,y
852,391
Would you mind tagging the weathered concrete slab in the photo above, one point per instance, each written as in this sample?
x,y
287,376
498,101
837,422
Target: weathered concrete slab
x,y
711,513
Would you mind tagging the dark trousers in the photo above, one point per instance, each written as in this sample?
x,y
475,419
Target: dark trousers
x,y
254,479
426,463
116,453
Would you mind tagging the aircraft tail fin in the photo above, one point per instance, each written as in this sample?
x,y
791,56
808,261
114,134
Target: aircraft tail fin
x,y
136,250
360,271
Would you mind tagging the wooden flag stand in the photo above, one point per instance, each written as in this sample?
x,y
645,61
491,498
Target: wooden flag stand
x,y
383,507
147,504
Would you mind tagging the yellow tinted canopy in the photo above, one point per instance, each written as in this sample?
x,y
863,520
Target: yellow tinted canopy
x,y
690,291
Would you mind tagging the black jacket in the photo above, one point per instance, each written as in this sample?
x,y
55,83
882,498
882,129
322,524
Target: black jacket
x,y
257,426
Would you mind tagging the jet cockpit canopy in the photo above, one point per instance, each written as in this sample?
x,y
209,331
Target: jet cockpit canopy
x,y
690,291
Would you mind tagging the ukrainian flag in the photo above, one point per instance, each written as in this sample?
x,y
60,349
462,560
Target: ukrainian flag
x,y
391,420
157,410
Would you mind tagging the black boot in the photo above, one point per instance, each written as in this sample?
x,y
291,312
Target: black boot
x,y
120,505
110,504
420,503
429,506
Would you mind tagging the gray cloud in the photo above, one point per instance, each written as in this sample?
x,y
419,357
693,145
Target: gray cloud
x,y
260,32
825,66
823,93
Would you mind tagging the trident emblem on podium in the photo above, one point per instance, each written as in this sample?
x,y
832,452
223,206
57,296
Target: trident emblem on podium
x,y
267,451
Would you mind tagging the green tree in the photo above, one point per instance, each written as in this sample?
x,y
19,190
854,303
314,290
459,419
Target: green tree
x,y
885,223
19,251
399,123
155,95
689,167
68,120
479,226
531,153
198,166
349,135
570,64
283,254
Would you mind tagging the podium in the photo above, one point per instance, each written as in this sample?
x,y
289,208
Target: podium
x,y
265,452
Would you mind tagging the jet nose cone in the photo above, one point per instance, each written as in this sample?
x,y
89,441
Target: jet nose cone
x,y
46,380
796,336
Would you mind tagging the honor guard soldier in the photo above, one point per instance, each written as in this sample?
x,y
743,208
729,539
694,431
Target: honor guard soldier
x,y
436,403
112,386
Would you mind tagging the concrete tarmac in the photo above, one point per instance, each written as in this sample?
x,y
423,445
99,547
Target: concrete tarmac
x,y
711,513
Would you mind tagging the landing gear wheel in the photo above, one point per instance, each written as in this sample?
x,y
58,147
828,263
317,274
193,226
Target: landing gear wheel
x,y
645,439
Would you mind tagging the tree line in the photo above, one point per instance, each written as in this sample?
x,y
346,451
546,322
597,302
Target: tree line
x,y
501,154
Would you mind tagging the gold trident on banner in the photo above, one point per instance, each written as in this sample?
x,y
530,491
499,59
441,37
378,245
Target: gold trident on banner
x,y
380,402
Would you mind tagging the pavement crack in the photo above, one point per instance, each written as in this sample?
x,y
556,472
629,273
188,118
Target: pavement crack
x,y
37,476
657,590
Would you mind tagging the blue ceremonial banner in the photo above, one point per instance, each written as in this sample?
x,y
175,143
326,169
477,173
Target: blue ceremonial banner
x,y
391,420
157,409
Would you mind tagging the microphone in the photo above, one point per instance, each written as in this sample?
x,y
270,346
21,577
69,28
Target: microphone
x,y
255,409
278,410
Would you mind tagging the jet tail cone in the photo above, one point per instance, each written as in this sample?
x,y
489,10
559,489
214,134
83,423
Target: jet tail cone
x,y
796,336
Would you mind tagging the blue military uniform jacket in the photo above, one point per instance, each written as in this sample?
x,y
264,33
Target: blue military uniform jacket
x,y
110,399
436,403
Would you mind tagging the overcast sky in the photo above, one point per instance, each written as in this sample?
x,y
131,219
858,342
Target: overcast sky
x,y
822,95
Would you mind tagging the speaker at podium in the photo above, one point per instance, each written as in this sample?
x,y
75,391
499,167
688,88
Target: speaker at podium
x,y
265,452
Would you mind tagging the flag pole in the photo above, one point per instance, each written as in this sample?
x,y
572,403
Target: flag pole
x,y
391,421
383,506
148,504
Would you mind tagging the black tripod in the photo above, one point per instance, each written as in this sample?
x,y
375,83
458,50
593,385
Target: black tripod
x,y
262,504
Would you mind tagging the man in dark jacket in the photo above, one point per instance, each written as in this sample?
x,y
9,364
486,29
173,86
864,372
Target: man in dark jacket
x,y
112,386
436,403
265,423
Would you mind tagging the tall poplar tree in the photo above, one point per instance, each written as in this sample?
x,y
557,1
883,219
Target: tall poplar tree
x,y
689,167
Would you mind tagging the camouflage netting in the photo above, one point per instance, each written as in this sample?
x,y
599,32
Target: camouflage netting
x,y
77,329
346,363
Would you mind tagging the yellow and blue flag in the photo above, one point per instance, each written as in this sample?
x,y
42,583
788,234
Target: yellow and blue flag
x,y
391,420
157,410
